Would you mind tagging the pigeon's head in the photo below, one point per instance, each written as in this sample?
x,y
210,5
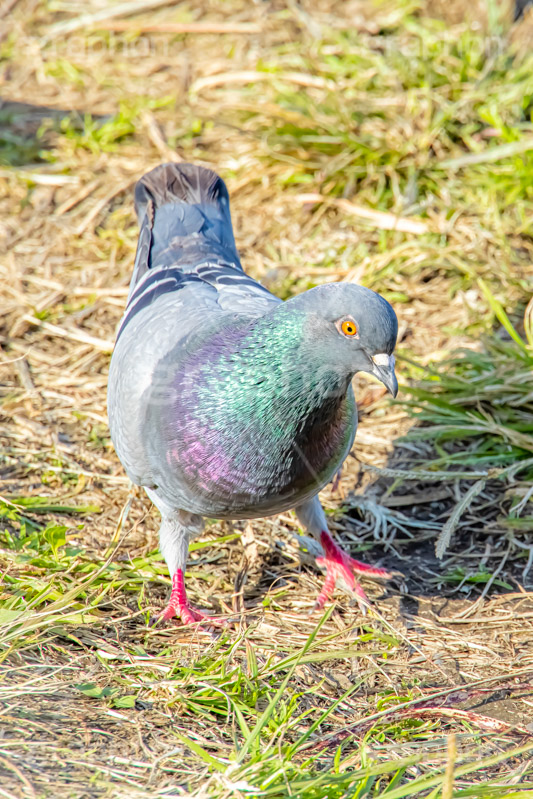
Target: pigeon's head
x,y
352,329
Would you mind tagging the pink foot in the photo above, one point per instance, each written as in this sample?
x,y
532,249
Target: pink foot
x,y
339,564
178,605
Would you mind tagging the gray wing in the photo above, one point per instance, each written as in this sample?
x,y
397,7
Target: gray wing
x,y
165,309
220,284
186,271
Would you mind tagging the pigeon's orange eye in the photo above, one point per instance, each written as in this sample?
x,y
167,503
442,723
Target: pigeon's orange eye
x,y
349,328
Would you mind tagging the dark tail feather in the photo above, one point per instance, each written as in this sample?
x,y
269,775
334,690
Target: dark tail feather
x,y
183,211
520,7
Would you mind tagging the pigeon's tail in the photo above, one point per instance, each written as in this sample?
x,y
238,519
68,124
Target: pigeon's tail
x,y
183,211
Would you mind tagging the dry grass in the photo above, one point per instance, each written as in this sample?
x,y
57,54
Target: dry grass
x,y
359,142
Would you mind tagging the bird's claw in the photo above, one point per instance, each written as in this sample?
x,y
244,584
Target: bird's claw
x,y
189,616
340,565
179,607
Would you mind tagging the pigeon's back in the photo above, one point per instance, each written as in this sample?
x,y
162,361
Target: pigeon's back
x,y
187,277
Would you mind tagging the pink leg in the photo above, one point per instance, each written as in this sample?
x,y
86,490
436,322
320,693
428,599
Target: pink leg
x,y
178,604
339,564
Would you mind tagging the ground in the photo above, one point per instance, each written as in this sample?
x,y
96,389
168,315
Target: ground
x,y
385,143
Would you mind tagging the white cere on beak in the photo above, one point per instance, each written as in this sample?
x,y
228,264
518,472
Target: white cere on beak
x,y
382,359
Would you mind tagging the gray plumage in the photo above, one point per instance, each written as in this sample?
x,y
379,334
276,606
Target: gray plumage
x,y
223,401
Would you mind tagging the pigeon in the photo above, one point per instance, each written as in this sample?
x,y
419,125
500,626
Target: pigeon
x,y
225,402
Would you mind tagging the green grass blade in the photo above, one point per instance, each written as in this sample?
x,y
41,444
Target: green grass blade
x,y
501,316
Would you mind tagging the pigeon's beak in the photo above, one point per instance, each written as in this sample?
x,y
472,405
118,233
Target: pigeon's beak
x,y
383,368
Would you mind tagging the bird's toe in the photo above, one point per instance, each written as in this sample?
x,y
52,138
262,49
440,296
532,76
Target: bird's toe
x,y
341,566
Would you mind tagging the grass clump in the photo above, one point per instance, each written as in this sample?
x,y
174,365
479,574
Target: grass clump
x,y
382,116
476,410
481,400
484,397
